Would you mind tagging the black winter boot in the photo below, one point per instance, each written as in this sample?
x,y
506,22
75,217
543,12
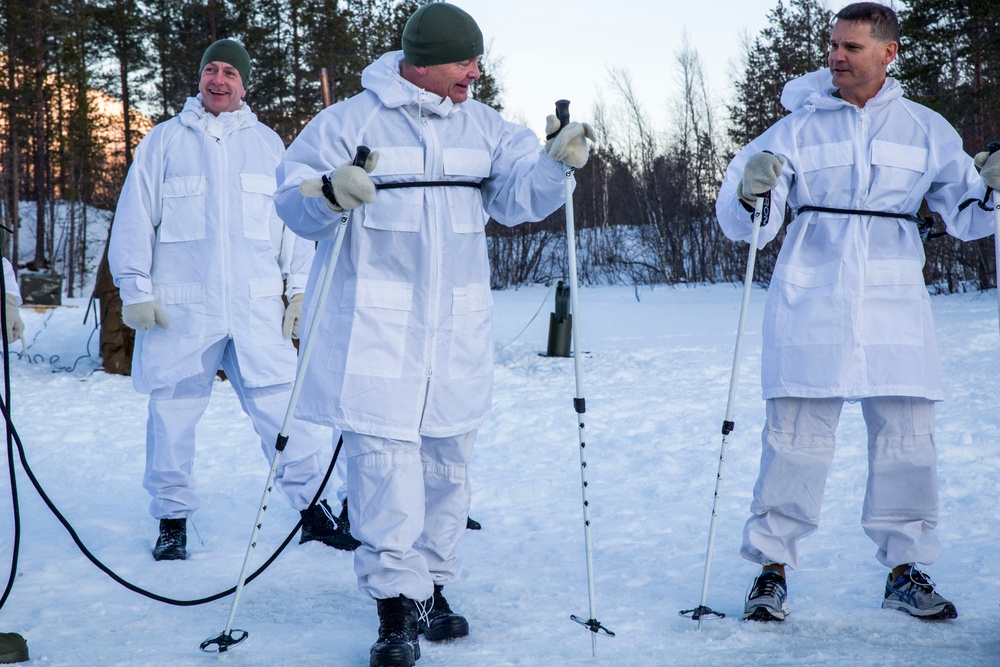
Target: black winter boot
x,y
440,622
172,542
319,523
397,645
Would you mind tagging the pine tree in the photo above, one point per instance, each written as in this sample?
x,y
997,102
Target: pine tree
x,y
950,61
795,42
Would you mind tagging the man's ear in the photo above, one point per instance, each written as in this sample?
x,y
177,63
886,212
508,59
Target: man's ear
x,y
891,49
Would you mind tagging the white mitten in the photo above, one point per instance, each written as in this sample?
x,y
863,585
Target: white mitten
x,y
760,175
15,325
293,317
989,168
350,185
144,316
569,145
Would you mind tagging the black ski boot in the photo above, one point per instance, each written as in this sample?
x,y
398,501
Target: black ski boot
x,y
319,523
172,542
440,623
398,644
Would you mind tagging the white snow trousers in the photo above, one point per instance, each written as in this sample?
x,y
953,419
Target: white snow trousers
x,y
900,509
408,503
170,443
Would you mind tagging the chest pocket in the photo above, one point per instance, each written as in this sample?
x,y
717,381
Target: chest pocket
x,y
896,168
258,205
398,210
827,171
183,214
465,203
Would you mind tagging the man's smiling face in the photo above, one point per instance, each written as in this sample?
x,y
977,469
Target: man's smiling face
x,y
221,88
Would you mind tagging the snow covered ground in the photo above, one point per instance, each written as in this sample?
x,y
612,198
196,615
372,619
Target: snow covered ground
x,y
656,375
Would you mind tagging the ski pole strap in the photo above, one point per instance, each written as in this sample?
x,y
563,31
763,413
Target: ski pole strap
x,y
984,204
924,225
428,184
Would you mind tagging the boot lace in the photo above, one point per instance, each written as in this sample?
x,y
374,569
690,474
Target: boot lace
x,y
766,585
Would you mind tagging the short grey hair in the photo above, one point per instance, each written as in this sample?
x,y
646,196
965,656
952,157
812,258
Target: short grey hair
x,y
882,19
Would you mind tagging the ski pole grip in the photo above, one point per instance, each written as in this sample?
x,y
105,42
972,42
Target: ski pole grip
x,y
361,156
562,112
993,147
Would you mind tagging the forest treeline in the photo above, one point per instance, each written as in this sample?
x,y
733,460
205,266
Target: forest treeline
x,y
82,80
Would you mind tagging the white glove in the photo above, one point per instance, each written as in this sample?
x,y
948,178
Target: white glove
x,y
144,316
569,145
989,168
293,316
351,185
760,175
15,325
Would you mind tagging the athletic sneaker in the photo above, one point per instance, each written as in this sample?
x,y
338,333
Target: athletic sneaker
x,y
913,592
766,601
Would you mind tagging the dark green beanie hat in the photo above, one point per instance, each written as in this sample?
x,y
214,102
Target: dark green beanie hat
x,y
440,33
229,52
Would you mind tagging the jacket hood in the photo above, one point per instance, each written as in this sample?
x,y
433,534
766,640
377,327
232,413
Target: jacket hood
x,y
815,91
383,79
197,118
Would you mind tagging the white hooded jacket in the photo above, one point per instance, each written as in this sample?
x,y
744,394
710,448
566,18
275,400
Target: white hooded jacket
x,y
405,342
196,231
847,312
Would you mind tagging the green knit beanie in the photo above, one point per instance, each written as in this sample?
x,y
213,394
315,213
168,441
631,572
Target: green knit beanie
x,y
229,52
440,33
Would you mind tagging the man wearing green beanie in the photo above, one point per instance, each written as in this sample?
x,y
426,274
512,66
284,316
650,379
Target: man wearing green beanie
x,y
202,262
406,368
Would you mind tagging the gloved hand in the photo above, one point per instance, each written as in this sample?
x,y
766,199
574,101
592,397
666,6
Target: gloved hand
x,y
144,316
989,168
760,175
351,185
569,145
293,316
15,325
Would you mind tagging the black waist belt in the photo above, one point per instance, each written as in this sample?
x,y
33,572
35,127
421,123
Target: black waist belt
x,y
428,184
924,225
912,217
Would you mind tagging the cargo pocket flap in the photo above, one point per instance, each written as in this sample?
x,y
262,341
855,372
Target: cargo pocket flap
x,y
900,156
399,160
823,156
471,298
176,294
809,276
467,162
380,294
259,183
183,186
894,272
261,287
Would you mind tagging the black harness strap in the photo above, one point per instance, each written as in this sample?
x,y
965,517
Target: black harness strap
x,y
912,217
984,204
924,225
428,184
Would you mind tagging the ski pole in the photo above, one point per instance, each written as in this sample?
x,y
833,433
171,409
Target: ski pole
x,y
762,211
231,637
579,402
993,147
